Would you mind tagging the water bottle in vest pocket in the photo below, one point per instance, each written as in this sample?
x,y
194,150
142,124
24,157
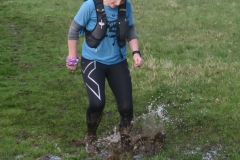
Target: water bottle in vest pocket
x,y
122,31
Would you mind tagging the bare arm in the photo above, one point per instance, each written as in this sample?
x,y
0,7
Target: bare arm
x,y
72,48
136,57
134,45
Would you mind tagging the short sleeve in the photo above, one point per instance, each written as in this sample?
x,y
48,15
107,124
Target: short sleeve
x,y
84,13
129,13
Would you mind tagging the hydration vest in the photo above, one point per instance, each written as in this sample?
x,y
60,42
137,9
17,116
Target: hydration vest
x,y
94,37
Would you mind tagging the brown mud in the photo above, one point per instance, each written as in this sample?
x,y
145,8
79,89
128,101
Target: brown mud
x,y
147,139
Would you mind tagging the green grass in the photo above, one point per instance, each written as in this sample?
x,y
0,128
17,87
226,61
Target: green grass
x,y
191,66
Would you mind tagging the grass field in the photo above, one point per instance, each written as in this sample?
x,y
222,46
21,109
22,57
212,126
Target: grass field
x,y
191,67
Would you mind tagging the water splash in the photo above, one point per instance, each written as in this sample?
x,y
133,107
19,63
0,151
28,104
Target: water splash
x,y
147,136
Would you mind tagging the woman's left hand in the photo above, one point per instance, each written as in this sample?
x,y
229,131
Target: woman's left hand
x,y
137,60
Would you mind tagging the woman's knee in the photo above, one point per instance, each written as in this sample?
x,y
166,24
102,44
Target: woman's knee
x,y
97,106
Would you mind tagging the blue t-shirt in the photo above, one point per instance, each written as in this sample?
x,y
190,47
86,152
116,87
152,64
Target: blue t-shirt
x,y
108,51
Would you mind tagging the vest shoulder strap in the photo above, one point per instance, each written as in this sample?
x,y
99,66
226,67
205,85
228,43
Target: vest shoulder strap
x,y
99,7
122,10
94,37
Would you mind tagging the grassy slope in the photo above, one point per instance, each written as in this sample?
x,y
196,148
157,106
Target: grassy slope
x,y
191,65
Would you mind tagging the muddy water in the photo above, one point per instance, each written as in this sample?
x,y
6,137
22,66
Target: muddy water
x,y
147,138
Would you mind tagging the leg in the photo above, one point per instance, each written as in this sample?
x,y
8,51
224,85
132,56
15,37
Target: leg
x,y
120,82
94,79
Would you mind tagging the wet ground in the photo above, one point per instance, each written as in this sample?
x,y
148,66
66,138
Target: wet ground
x,y
110,147
147,138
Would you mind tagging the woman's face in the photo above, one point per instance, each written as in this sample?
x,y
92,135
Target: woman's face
x,y
113,3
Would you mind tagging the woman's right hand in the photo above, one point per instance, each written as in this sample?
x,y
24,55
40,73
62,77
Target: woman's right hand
x,y
72,62
72,68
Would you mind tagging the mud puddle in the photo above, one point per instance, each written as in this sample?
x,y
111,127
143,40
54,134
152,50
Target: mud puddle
x,y
147,138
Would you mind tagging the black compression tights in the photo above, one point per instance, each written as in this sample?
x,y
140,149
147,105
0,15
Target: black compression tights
x,y
119,80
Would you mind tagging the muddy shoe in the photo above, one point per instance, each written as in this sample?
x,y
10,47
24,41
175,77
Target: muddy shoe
x,y
125,143
91,145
